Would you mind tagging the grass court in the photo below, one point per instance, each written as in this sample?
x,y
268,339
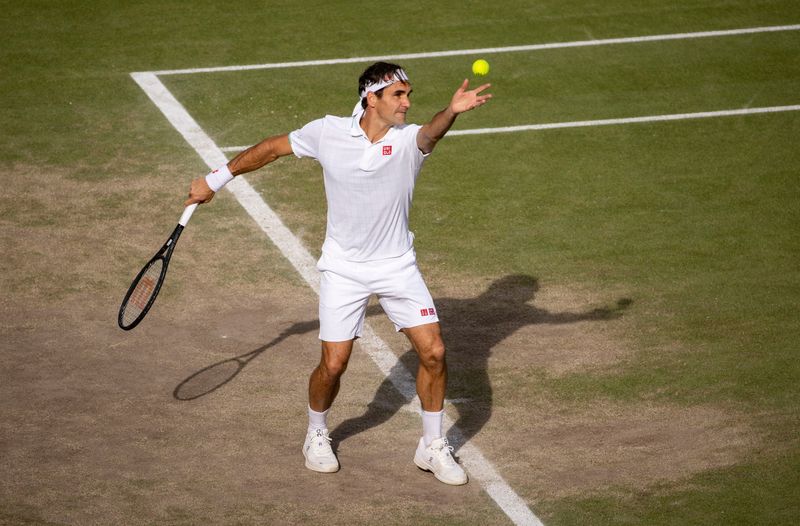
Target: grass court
x,y
618,300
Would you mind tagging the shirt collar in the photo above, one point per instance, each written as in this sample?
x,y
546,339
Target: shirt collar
x,y
357,131
355,125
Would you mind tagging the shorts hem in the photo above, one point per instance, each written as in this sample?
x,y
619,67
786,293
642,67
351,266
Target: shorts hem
x,y
398,328
355,336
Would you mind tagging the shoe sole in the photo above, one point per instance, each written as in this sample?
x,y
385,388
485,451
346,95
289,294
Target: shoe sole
x,y
320,469
424,466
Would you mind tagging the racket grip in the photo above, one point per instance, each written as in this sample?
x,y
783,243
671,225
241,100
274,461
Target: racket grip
x,y
187,214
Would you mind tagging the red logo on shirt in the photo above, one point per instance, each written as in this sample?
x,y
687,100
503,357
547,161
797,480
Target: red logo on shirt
x,y
427,312
387,150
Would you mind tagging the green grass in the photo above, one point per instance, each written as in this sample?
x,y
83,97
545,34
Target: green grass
x,y
751,494
695,221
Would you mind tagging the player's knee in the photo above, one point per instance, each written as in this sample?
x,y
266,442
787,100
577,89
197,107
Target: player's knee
x,y
333,366
432,357
334,359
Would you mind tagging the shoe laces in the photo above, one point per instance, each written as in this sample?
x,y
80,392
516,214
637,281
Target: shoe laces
x,y
445,452
319,445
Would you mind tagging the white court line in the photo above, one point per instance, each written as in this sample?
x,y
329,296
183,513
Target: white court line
x,y
486,51
601,122
477,465
627,120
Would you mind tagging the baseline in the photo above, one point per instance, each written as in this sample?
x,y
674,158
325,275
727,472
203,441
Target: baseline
x,y
486,51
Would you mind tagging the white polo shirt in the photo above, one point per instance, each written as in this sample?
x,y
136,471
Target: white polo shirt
x,y
368,186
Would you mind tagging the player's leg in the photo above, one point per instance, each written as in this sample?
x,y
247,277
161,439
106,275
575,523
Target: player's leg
x,y
342,307
408,303
323,386
432,370
405,298
433,451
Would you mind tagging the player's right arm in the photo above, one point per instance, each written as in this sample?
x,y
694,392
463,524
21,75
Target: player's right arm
x,y
251,159
260,154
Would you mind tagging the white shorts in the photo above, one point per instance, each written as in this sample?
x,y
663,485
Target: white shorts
x,y
346,286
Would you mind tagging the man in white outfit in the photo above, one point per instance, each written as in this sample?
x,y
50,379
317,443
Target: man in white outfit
x,y
370,162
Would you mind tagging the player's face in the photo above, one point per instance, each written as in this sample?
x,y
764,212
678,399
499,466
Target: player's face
x,y
394,103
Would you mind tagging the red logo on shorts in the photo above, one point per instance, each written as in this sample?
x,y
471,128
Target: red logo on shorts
x,y
427,312
387,150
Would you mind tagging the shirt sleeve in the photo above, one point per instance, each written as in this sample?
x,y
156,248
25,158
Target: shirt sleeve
x,y
411,132
305,141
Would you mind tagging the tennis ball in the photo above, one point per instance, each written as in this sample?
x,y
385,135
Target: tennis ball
x,y
480,67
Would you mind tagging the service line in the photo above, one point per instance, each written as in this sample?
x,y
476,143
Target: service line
x,y
601,122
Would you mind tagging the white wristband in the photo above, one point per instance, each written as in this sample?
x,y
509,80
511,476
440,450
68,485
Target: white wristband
x,y
219,178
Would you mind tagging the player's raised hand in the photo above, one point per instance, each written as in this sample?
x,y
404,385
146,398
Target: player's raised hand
x,y
465,99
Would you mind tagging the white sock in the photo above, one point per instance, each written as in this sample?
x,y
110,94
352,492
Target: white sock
x,y
431,426
317,420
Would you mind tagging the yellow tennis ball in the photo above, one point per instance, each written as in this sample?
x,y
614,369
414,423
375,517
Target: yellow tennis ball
x,y
480,67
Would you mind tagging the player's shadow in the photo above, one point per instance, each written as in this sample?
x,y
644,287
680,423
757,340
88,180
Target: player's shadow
x,y
471,328
212,377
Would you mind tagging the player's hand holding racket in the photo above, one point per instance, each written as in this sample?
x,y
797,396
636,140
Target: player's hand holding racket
x,y
199,192
146,285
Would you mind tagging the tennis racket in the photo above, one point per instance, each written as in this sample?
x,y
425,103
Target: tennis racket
x,y
146,285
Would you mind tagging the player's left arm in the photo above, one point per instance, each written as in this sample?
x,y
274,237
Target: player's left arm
x,y
463,100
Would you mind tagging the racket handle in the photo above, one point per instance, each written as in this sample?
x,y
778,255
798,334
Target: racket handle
x,y
187,213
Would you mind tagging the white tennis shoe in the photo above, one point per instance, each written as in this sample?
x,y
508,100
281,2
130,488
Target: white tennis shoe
x,y
438,459
318,452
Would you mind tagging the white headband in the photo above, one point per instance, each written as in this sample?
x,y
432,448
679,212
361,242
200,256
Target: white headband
x,y
398,76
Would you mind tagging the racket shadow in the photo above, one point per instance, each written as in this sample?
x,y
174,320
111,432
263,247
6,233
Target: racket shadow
x,y
210,378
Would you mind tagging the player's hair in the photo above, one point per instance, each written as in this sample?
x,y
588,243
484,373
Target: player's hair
x,y
374,74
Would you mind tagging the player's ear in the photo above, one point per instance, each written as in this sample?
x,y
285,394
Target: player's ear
x,y
372,100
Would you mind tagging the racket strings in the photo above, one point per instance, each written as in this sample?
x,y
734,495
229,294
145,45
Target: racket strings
x,y
142,293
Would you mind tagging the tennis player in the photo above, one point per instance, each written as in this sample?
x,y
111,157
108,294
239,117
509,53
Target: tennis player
x,y
370,162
